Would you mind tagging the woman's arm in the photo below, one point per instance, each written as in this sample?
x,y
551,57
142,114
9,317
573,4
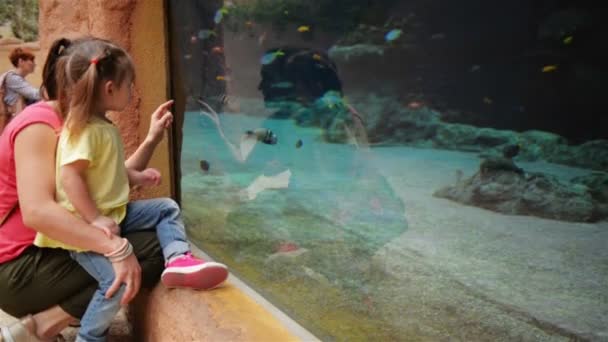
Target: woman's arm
x,y
160,120
35,168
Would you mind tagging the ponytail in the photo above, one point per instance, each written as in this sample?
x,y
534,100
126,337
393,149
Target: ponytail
x,y
83,100
50,72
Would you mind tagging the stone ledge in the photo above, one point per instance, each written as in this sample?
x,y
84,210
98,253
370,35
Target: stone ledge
x,y
223,314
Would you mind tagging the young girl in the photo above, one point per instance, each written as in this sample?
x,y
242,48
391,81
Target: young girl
x,y
93,182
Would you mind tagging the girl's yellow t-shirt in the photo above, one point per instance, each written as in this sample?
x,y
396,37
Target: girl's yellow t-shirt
x,y
100,144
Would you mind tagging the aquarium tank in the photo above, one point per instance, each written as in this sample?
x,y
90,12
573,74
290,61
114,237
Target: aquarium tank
x,y
398,170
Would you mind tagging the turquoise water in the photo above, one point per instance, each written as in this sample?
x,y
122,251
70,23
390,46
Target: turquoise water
x,y
434,177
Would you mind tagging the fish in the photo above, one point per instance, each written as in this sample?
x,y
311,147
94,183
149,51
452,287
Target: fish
x,y
218,49
376,206
316,57
286,247
487,100
549,68
219,15
262,39
303,29
475,68
568,40
250,138
204,34
204,165
414,105
271,56
263,135
193,39
187,56
392,35
282,85
222,78
249,23
331,98
299,143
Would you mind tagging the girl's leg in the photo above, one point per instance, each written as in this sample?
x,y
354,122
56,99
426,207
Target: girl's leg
x,y
162,214
182,268
96,321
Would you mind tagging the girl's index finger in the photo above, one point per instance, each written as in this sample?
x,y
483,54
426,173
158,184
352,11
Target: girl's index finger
x,y
162,109
167,104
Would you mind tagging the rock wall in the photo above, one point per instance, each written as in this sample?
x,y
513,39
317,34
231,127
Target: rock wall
x,y
139,27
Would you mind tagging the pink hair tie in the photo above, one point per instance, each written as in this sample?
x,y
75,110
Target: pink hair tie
x,y
94,61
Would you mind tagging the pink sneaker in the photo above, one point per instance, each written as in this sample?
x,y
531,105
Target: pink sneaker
x,y
191,272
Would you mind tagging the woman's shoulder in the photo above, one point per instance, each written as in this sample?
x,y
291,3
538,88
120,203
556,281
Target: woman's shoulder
x,y
40,111
12,78
37,113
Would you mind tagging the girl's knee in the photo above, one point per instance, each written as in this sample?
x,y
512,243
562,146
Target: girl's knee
x,y
169,204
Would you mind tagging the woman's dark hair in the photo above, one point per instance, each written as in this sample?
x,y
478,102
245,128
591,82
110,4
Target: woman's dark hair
x,y
49,76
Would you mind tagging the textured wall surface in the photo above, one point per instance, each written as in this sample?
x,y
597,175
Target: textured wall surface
x,y
138,26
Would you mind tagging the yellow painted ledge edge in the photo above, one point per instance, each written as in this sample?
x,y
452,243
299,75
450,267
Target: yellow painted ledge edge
x,y
233,312
245,304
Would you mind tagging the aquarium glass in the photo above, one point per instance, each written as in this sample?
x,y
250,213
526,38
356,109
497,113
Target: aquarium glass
x,y
400,170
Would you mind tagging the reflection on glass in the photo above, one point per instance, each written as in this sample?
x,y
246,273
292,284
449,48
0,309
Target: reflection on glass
x,y
401,170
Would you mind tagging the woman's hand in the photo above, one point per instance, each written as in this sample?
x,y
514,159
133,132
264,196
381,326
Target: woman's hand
x,y
161,119
126,271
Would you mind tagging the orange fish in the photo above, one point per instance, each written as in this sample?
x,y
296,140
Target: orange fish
x,y
248,23
549,68
316,57
376,206
285,247
414,105
218,49
222,78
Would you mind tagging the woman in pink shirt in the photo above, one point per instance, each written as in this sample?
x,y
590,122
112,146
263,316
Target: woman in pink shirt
x,y
43,285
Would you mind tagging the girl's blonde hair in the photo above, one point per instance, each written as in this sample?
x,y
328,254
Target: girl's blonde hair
x,y
81,74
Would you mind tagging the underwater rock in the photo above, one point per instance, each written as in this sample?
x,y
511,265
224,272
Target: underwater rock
x,y
336,132
298,73
539,144
592,154
345,53
388,121
491,165
511,151
597,182
471,138
500,187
